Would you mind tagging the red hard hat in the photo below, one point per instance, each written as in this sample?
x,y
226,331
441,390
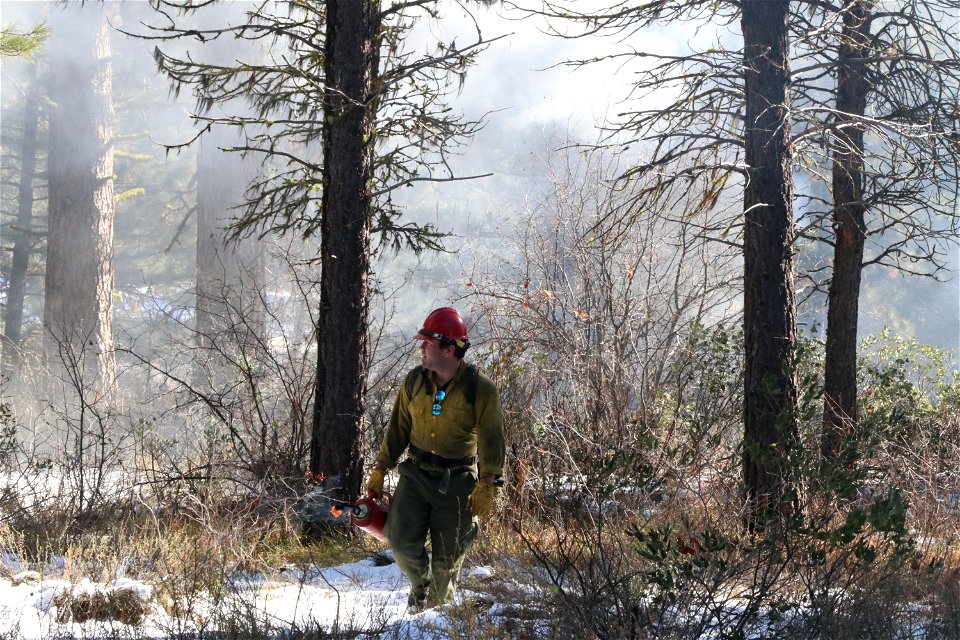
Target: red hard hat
x,y
445,323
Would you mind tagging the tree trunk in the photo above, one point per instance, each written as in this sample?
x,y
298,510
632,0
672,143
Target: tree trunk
x,y
77,309
770,427
351,65
229,273
840,367
22,247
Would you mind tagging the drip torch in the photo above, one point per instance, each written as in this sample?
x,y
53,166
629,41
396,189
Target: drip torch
x,y
370,515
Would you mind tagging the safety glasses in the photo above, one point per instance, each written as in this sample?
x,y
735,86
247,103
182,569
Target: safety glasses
x,y
438,402
441,339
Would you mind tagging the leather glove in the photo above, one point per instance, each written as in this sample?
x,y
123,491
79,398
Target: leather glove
x,y
481,500
375,482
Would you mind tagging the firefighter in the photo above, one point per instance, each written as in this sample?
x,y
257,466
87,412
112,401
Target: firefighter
x,y
447,418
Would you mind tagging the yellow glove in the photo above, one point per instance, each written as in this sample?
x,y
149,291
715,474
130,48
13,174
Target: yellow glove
x,y
375,482
481,500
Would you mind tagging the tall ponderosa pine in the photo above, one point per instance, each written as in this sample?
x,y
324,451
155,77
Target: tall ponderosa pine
x,y
78,299
350,104
849,229
769,305
884,136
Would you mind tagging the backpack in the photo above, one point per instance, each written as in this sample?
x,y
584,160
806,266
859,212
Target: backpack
x,y
419,374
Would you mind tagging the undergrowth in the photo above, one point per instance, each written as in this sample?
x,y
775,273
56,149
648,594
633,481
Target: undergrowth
x,y
645,539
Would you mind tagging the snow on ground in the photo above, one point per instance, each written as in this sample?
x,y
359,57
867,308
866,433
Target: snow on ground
x,y
365,595
368,596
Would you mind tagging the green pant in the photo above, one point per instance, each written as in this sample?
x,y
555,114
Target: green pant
x,y
418,509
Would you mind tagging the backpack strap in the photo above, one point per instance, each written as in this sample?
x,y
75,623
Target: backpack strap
x,y
418,374
472,377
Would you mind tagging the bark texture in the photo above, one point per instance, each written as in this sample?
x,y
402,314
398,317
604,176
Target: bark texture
x,y
840,367
351,66
79,282
770,429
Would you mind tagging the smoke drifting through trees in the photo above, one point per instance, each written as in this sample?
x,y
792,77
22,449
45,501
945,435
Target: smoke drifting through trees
x,y
157,315
25,238
598,307
78,285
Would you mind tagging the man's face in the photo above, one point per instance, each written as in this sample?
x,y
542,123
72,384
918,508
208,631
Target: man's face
x,y
432,356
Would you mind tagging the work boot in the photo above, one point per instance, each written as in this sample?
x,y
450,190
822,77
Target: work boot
x,y
417,600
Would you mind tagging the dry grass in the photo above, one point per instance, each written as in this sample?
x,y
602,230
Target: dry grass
x,y
122,604
549,578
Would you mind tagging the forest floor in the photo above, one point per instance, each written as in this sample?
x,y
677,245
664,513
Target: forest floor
x,y
354,590
367,598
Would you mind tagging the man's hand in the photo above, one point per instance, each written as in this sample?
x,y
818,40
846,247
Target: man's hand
x,y
481,500
375,482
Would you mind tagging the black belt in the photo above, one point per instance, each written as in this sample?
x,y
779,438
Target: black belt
x,y
425,457
440,461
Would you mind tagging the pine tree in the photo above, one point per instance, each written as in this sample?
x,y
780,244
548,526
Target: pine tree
x,y
79,282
